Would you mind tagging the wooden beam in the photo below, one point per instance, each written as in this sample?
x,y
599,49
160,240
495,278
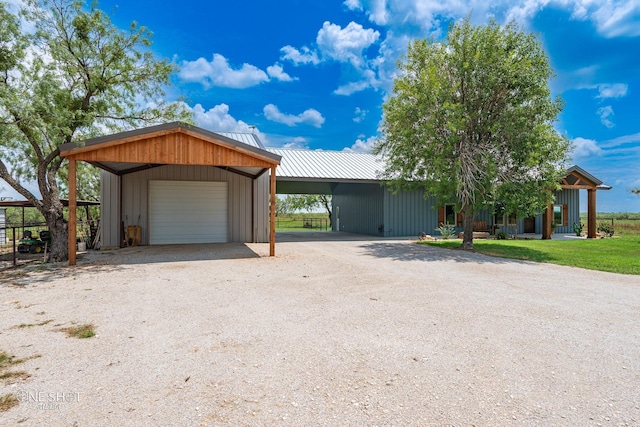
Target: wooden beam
x,y
72,212
272,214
547,219
577,186
591,214
175,149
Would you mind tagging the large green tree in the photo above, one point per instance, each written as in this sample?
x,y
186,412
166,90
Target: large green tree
x,y
470,121
67,74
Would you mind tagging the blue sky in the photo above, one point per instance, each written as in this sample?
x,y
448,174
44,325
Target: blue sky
x,y
314,73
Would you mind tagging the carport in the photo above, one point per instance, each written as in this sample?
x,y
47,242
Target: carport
x,y
169,144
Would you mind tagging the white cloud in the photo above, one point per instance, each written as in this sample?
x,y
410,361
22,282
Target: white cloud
x,y
346,44
583,148
617,90
310,117
218,119
617,18
276,71
302,56
353,4
359,114
612,18
297,142
218,72
605,113
362,145
622,140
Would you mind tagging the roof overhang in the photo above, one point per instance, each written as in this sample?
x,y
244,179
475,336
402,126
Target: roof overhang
x,y
174,143
579,179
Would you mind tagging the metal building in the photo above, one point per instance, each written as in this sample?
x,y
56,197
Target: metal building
x,y
363,204
179,184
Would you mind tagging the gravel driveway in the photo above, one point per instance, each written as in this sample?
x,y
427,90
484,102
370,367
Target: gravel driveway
x,y
334,330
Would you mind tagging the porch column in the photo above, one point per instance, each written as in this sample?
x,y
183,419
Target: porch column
x,y
272,214
547,219
591,215
72,212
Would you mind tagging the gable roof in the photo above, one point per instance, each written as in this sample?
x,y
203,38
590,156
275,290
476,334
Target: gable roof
x,y
171,143
336,166
598,183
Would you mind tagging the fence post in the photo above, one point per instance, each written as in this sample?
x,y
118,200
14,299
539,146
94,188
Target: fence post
x,y
14,247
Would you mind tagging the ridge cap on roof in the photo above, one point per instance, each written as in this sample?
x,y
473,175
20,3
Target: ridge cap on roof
x,y
318,150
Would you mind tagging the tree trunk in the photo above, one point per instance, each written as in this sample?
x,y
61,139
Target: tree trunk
x,y
467,223
59,234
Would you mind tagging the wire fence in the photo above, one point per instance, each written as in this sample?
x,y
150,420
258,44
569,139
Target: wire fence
x,y
21,244
302,224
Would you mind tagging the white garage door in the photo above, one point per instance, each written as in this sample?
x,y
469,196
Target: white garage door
x,y
187,212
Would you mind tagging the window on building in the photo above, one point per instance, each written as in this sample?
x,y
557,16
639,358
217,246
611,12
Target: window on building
x,y
449,215
558,217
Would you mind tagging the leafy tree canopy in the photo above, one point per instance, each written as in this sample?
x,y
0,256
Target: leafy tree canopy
x,y
67,74
470,121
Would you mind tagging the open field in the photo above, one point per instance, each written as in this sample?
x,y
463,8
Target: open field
x,y
335,330
624,224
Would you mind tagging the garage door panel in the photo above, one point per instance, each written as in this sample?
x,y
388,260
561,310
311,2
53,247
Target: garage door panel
x,y
188,212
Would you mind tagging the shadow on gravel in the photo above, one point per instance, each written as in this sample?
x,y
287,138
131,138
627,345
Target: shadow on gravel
x,y
324,236
170,253
403,251
123,259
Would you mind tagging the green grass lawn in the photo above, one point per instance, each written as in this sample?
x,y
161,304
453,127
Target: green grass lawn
x,y
616,255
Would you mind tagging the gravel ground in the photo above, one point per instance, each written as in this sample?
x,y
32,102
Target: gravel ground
x,y
336,331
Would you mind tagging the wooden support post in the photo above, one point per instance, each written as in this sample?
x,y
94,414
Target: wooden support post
x,y
72,212
547,219
272,214
591,214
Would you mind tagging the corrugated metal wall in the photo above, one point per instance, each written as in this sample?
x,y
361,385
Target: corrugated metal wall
x,y
358,208
572,199
242,192
109,209
3,235
261,196
408,213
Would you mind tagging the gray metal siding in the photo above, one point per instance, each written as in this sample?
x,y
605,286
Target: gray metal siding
x,y
109,209
408,213
135,194
3,235
360,208
570,197
261,195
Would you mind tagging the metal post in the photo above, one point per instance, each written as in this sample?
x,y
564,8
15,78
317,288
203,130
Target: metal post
x,y
14,247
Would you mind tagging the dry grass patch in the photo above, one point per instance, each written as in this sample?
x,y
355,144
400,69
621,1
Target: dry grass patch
x,y
30,325
86,330
12,376
7,402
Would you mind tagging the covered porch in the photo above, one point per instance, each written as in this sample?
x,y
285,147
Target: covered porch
x,y
577,179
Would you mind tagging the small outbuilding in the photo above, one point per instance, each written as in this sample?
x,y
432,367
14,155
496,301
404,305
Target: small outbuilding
x,y
179,184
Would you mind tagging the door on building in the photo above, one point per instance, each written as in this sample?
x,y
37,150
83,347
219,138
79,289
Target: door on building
x,y
529,225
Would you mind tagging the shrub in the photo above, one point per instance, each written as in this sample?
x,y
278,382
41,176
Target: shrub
x,y
501,235
577,228
446,231
606,228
